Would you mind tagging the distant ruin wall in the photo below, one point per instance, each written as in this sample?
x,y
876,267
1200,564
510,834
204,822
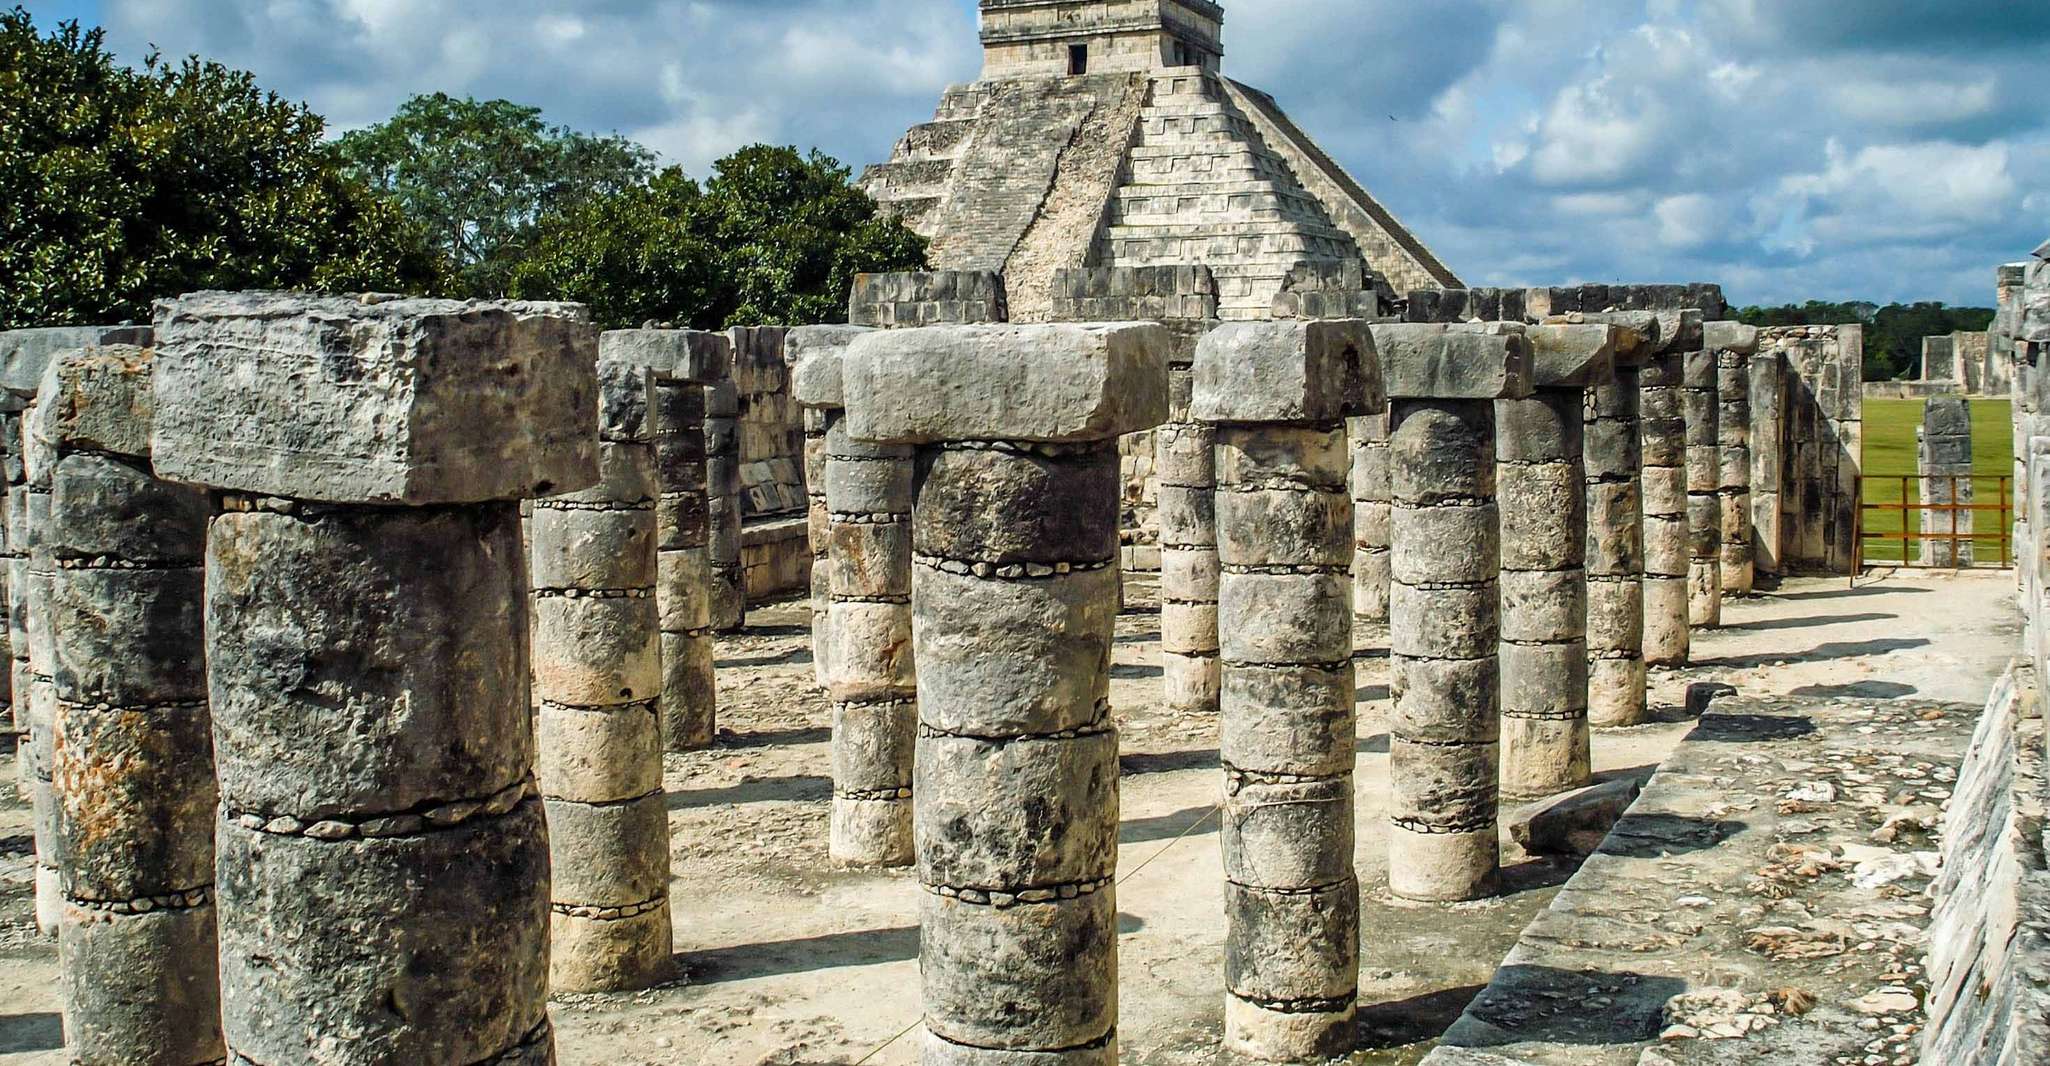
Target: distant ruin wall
x,y
1822,444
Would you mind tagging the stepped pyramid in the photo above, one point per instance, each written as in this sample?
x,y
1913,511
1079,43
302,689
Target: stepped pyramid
x,y
1102,134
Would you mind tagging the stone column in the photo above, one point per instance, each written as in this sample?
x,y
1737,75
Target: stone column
x,y
722,487
1945,455
598,683
1667,638
818,523
872,681
1704,459
682,362
382,857
1186,466
1768,461
34,698
1014,589
1614,456
1444,629
12,477
1541,477
1733,344
131,753
1278,394
1370,516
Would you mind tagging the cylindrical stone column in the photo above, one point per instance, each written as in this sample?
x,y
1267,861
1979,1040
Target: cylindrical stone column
x,y
35,695
818,525
1370,517
682,362
1186,466
11,476
867,636
1278,394
1541,477
382,857
1667,633
723,517
131,752
1733,344
1014,590
1768,461
1444,607
1704,458
598,683
1616,684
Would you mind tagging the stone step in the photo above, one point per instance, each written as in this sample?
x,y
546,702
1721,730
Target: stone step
x,y
935,140
913,178
1136,246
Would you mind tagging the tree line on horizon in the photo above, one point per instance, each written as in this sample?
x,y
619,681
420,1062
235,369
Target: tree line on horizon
x,y
1893,332
120,186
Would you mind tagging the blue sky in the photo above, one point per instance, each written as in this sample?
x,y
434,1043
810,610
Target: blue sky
x,y
1789,149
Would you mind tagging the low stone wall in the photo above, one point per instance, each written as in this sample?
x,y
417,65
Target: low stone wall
x,y
1909,390
1989,938
775,557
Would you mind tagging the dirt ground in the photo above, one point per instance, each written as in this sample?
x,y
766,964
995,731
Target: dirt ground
x,y
790,961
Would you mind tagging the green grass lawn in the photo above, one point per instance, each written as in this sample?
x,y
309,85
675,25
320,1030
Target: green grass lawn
x,y
1890,450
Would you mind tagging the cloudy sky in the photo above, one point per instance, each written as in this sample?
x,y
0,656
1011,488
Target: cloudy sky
x,y
1789,149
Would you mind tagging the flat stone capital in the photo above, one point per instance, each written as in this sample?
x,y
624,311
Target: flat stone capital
x,y
1299,371
1730,337
97,399
680,354
1680,330
1039,383
813,355
624,386
26,353
1572,356
1484,361
1638,335
375,400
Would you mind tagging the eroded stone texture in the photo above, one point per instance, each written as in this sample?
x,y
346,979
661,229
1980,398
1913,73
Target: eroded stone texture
x,y
1768,463
1278,394
1704,478
682,361
131,756
1014,587
1541,482
381,842
723,508
866,637
1733,345
597,668
1371,512
1667,634
1185,464
1444,603
1614,456
1944,452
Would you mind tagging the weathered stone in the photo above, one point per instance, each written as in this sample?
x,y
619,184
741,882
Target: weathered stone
x,y
1285,544
1185,460
1453,362
684,570
1574,823
404,402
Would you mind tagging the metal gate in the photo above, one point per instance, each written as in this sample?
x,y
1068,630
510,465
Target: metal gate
x,y
1950,545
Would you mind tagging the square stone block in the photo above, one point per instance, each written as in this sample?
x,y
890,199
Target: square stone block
x,y
1318,371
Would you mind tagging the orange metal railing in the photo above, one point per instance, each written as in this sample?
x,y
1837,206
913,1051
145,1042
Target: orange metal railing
x,y
1948,520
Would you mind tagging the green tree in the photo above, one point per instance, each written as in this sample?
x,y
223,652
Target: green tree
x,y
774,237
479,175
121,186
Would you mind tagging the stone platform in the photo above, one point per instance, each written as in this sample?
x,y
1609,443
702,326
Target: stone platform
x,y
1765,900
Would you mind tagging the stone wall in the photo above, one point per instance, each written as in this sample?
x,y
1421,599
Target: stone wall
x,y
929,298
1989,941
1821,433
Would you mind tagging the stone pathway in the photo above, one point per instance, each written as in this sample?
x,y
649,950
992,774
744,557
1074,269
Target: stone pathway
x,y
1764,901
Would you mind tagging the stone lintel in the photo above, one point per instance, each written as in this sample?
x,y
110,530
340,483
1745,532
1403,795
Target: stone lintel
x,y
1037,383
1730,337
813,355
98,399
1638,336
1291,371
24,353
1681,330
1479,361
681,354
375,400
1572,356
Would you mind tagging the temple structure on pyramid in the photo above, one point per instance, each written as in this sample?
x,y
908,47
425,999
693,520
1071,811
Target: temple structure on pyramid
x,y
1103,133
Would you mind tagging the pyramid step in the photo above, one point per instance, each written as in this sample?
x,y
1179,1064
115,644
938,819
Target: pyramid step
x,y
912,178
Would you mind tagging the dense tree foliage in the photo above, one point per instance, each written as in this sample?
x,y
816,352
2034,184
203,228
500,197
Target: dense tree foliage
x,y
480,175
774,236
1893,333
119,186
